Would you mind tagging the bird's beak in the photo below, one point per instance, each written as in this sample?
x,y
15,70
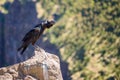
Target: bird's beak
x,y
52,22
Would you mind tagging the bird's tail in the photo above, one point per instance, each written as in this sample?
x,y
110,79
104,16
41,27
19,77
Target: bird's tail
x,y
24,48
19,48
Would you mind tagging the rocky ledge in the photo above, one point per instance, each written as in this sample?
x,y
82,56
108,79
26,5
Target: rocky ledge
x,y
38,67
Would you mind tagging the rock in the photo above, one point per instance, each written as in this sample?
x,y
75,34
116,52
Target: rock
x,y
42,66
28,77
6,76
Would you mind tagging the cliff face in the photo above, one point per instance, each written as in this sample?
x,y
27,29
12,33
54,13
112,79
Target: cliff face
x,y
36,68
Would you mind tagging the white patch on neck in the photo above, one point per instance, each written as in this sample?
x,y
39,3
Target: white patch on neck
x,y
38,28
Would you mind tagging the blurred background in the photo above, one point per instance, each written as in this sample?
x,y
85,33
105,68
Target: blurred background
x,y
86,36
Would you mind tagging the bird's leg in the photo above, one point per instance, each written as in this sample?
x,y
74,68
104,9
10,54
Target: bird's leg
x,y
36,46
41,50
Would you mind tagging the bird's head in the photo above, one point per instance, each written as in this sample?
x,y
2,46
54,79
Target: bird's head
x,y
48,24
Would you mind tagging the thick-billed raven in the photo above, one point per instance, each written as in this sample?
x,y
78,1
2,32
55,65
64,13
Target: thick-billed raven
x,y
33,35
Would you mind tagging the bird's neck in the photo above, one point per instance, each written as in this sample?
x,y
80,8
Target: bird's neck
x,y
37,28
42,27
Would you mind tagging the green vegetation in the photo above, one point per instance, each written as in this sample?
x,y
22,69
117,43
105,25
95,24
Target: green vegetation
x,y
87,34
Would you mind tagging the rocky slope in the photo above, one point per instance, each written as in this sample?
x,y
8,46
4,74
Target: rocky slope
x,y
37,67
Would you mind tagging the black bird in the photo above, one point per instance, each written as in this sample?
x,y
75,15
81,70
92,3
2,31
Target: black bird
x,y
33,35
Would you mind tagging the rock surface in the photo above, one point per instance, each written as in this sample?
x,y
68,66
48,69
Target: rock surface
x,y
38,67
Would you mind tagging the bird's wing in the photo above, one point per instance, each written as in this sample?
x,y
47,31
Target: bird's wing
x,y
29,35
